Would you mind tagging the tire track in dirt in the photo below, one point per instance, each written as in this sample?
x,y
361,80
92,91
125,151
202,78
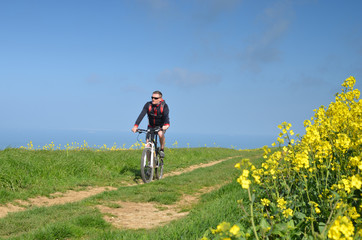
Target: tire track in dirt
x,y
193,167
54,199
74,196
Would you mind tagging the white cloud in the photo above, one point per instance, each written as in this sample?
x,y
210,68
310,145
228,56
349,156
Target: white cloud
x,y
184,78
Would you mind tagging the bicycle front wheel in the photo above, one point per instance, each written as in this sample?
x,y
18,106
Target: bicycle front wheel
x,y
146,166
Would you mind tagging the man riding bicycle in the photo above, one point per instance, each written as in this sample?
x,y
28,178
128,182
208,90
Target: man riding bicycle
x,y
157,111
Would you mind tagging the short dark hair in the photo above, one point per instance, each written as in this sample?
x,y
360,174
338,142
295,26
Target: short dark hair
x,y
157,92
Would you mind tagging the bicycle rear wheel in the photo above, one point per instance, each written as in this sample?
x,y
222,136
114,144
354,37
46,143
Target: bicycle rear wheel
x,y
159,168
146,166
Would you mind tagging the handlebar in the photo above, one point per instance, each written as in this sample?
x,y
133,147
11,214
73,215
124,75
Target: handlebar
x,y
155,130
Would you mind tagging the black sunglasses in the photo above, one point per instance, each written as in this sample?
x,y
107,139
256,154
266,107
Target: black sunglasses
x,y
155,98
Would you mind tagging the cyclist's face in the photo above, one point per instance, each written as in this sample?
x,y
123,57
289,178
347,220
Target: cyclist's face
x,y
156,99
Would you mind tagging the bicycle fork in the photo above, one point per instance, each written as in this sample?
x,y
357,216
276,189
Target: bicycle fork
x,y
152,147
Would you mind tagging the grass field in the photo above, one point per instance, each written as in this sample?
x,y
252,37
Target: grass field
x,y
27,174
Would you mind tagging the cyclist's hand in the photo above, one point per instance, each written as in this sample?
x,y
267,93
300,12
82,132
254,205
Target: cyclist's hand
x,y
134,129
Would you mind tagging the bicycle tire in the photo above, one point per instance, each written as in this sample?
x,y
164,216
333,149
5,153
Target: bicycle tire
x,y
159,169
146,166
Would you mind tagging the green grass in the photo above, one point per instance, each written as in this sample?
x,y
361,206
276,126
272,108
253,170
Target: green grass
x,y
81,220
213,208
25,174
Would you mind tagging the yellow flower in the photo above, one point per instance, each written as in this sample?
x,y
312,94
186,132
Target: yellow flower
x,y
354,160
352,212
245,183
307,123
356,182
349,82
280,140
301,160
245,173
281,203
342,228
224,226
265,202
237,165
343,142
288,212
346,185
339,205
257,179
235,230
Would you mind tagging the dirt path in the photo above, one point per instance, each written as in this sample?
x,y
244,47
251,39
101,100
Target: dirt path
x,y
54,199
193,167
128,215
131,215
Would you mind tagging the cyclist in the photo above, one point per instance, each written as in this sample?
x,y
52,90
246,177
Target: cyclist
x,y
157,111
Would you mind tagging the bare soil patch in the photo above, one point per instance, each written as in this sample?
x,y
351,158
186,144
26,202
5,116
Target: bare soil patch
x,y
131,215
139,215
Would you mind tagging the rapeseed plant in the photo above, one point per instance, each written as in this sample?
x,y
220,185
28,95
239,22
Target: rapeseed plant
x,y
74,146
311,187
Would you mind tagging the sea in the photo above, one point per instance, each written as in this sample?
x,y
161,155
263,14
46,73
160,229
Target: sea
x,y
99,138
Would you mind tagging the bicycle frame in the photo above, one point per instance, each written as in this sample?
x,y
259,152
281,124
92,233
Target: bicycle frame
x,y
151,163
151,140
152,153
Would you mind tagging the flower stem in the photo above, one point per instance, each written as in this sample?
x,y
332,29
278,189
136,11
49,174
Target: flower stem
x,y
252,214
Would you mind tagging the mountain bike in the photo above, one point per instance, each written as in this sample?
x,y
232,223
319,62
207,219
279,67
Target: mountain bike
x,y
151,161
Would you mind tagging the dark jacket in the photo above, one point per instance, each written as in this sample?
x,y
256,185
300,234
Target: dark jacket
x,y
157,114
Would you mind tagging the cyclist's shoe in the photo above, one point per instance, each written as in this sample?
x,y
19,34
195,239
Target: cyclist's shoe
x,y
162,154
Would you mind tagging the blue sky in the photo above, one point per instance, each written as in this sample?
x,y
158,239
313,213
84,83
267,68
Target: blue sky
x,y
224,66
